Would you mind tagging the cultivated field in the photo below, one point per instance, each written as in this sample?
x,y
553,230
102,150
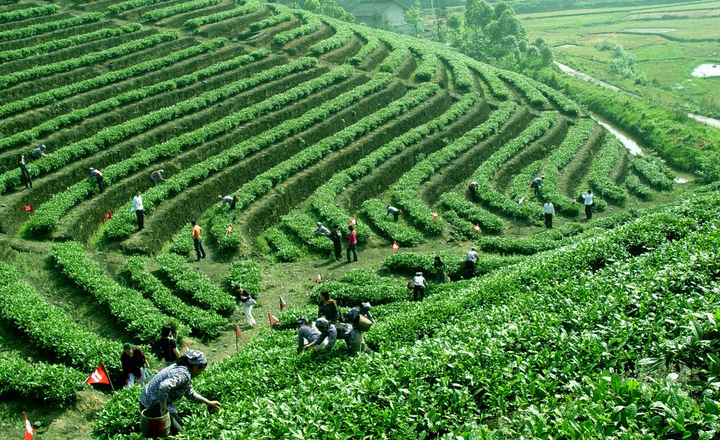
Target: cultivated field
x,y
668,41
593,329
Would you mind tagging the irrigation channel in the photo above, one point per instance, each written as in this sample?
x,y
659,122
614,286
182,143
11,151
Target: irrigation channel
x,y
585,77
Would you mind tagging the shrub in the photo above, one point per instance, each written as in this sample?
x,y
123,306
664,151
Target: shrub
x,y
195,284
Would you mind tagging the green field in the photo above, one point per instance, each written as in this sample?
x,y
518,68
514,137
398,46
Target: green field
x,y
595,328
667,41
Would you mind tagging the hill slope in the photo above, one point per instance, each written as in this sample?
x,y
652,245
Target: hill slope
x,y
308,119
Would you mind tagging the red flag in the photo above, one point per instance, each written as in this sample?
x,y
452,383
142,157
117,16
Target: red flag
x,y
521,201
29,431
282,303
273,319
239,334
353,222
401,211
395,247
435,215
107,216
29,209
99,376
319,278
475,228
229,229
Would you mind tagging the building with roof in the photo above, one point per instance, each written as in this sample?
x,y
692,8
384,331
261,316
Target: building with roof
x,y
383,14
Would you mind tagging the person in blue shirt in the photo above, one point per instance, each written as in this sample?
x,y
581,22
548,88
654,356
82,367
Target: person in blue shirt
x,y
172,384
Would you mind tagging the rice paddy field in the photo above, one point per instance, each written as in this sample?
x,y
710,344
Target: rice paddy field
x,y
668,41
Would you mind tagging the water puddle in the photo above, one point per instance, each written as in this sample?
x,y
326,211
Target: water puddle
x,y
705,70
680,180
565,46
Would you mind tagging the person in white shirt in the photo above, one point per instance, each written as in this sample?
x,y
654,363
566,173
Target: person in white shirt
x,y
98,176
226,200
322,230
392,210
549,211
588,201
137,206
470,259
419,285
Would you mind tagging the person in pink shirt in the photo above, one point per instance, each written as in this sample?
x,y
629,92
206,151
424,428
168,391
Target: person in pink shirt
x,y
352,242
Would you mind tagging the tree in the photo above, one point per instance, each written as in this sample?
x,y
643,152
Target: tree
x,y
478,13
546,55
509,42
508,24
311,5
455,22
500,9
414,19
532,52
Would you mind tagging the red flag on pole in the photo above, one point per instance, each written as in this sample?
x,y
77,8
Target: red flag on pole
x,y
401,211
435,215
29,431
107,216
229,229
521,201
28,208
238,333
273,319
282,303
319,278
99,376
475,228
395,247
353,222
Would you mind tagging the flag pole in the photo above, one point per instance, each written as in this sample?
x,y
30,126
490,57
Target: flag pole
x,y
237,350
109,380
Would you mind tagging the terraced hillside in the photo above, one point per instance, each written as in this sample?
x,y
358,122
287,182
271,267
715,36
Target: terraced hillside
x,y
309,119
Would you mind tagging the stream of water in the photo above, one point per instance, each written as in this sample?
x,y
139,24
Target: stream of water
x,y
623,137
585,77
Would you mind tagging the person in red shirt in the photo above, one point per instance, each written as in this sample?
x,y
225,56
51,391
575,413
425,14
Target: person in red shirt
x,y
352,242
